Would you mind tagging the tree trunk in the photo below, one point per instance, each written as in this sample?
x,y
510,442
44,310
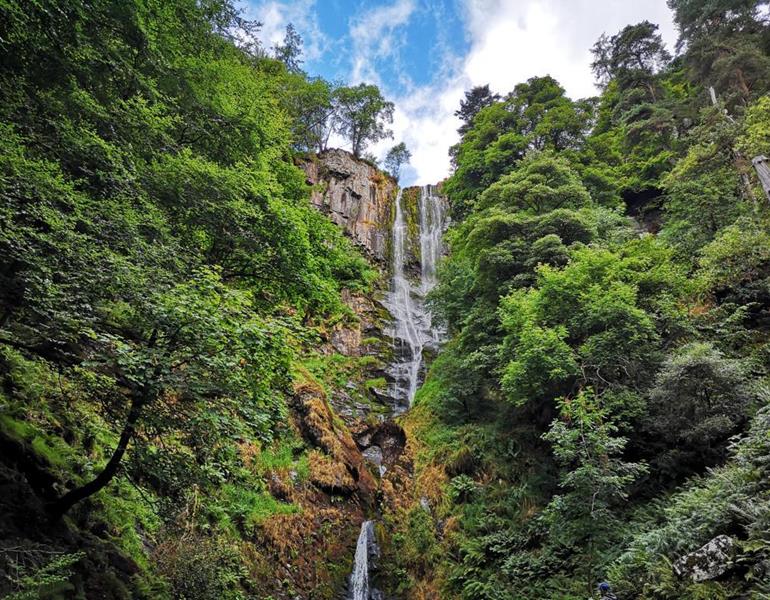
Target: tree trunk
x,y
59,507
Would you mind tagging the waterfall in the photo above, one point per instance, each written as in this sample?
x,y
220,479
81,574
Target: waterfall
x,y
412,329
433,221
359,580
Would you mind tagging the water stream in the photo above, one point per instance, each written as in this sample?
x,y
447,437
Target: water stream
x,y
359,579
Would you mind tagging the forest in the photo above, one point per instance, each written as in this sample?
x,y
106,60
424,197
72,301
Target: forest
x,y
169,419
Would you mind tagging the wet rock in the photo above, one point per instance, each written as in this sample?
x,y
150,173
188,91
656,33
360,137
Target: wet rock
x,y
374,455
708,562
389,438
347,341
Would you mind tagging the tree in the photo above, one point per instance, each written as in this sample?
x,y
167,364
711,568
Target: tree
x,y
290,51
631,57
362,115
309,103
696,18
595,478
536,115
726,45
397,156
475,99
198,341
699,400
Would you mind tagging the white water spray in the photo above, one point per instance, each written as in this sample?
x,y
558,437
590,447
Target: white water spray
x,y
359,580
413,330
412,333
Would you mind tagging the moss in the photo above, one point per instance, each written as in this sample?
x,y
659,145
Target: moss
x,y
50,448
129,518
410,205
376,383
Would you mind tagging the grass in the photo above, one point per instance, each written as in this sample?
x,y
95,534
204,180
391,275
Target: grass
x,y
242,510
284,455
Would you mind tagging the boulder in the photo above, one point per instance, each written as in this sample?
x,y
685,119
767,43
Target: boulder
x,y
708,562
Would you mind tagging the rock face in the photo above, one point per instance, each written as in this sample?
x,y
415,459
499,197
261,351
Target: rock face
x,y
357,196
708,562
338,466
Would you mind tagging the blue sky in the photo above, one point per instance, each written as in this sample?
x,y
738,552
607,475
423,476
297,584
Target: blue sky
x,y
425,53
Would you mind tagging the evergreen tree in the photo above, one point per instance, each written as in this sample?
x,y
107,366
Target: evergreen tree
x,y
290,52
475,99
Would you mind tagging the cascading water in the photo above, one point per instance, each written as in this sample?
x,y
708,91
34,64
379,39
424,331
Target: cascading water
x,y
412,328
359,580
433,221
412,332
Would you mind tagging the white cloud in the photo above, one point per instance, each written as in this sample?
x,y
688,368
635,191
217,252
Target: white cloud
x,y
511,41
374,36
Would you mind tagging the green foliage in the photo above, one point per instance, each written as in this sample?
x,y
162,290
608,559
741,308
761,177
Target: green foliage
x,y
161,270
242,510
203,569
397,156
596,481
725,45
755,138
475,99
642,339
738,256
536,115
704,191
540,184
49,580
631,57
290,51
362,115
699,400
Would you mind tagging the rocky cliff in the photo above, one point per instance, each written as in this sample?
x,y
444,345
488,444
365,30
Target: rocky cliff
x,y
356,196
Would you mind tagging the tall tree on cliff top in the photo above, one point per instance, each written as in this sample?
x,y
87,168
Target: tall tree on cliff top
x,y
396,157
727,45
475,99
631,57
362,116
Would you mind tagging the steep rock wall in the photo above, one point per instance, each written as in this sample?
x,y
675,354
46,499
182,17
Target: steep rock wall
x,y
356,195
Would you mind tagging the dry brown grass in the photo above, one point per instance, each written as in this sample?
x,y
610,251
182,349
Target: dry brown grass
x,y
330,475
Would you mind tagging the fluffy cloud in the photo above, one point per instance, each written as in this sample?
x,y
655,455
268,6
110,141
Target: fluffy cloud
x,y
374,36
509,42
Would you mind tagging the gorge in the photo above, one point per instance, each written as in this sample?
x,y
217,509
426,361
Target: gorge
x,y
237,363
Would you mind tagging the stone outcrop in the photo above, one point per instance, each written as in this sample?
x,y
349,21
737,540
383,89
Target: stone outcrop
x,y
356,196
708,562
339,466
